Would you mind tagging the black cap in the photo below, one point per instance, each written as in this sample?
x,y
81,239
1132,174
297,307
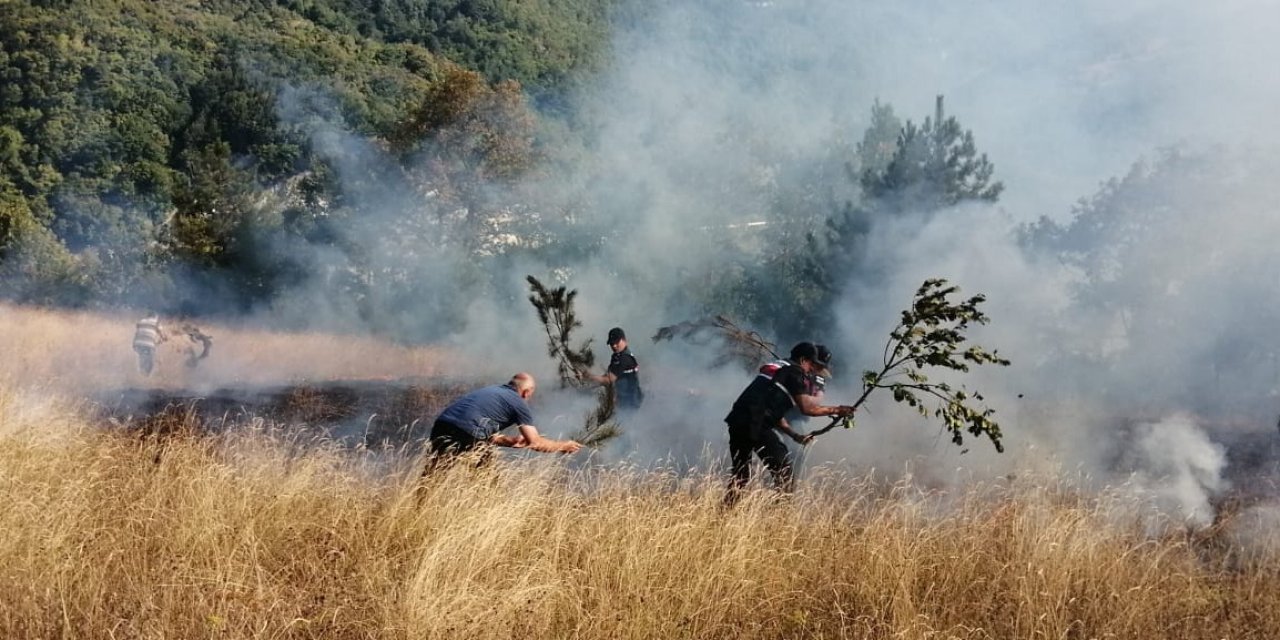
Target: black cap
x,y
616,334
823,355
804,350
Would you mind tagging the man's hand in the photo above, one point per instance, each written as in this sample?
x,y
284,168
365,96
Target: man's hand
x,y
802,438
845,410
555,446
515,442
544,447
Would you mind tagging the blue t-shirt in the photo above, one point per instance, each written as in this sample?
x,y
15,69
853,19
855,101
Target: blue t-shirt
x,y
486,411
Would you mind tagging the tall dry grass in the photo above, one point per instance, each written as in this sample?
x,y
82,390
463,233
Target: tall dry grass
x,y
106,535
92,351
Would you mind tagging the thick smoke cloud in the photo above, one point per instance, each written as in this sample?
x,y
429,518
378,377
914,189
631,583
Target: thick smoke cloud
x,y
713,105
1061,100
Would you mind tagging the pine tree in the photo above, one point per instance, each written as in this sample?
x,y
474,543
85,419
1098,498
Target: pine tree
x,y
879,143
935,165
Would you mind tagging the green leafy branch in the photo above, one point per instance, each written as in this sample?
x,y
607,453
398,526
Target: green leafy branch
x,y
931,334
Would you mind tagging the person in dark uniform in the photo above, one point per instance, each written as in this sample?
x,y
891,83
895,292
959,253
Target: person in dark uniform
x,y
473,423
623,373
823,372
760,412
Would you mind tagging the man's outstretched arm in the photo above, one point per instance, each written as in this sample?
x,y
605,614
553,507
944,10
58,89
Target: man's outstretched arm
x,y
606,378
810,407
529,438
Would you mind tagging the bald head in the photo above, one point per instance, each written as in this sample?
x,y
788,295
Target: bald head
x,y
523,384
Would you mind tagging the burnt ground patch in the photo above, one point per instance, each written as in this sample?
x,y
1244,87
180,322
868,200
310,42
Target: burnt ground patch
x,y
372,413
1249,444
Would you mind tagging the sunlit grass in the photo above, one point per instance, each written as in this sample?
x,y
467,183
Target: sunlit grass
x,y
108,535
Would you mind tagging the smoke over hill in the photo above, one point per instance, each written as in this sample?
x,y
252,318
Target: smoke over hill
x,y
725,133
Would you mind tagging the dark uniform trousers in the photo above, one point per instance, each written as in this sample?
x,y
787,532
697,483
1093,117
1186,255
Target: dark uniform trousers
x,y
755,437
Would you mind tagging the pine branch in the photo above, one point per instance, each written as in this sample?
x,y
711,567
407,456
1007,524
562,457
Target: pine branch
x,y
599,428
743,346
555,312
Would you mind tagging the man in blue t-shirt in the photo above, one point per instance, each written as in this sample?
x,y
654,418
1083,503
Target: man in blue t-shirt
x,y
474,421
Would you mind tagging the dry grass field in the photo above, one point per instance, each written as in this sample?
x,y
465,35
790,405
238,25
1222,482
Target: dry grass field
x,y
82,351
246,534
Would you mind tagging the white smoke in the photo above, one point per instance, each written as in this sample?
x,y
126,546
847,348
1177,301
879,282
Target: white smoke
x,y
1179,469
711,105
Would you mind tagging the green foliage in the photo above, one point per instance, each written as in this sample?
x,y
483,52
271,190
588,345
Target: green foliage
x,y
178,135
555,312
879,146
1143,222
15,215
934,165
598,426
539,43
164,142
931,336
231,107
34,266
1174,262
920,170
213,208
467,141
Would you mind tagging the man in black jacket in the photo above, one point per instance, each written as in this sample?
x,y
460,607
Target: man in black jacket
x,y
760,412
623,372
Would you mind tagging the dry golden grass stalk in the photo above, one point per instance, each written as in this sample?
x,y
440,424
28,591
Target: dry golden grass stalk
x,y
248,536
